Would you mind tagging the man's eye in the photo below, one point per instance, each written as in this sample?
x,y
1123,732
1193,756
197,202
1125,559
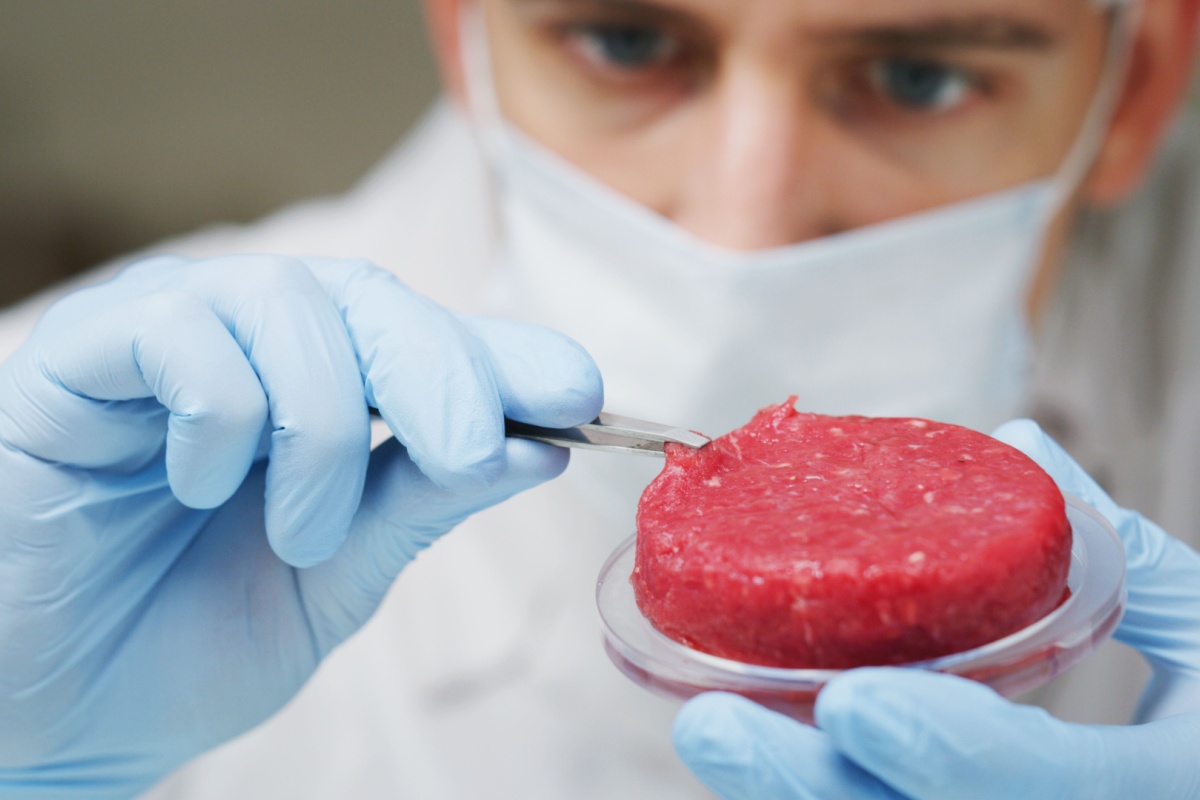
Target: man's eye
x,y
921,85
627,47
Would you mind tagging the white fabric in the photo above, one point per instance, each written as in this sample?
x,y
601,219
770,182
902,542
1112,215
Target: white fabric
x,y
482,675
1118,379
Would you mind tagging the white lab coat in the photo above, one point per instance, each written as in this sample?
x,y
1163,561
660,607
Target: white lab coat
x,y
482,675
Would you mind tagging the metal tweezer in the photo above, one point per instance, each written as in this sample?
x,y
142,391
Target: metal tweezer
x,y
612,433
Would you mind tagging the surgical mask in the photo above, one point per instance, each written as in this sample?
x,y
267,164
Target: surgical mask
x,y
920,316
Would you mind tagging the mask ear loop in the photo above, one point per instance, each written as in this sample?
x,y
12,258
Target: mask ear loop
x,y
478,78
1124,16
483,105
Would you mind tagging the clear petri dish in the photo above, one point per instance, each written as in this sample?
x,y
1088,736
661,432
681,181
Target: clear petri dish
x,y
1012,665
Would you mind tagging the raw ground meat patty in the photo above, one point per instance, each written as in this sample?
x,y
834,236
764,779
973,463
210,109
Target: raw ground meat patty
x,y
803,540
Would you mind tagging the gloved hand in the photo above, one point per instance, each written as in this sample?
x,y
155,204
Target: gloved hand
x,y
902,733
191,517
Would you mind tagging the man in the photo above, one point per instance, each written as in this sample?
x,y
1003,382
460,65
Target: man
x,y
865,203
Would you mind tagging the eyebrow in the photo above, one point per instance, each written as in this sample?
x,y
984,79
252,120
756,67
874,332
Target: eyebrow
x,y
1001,33
644,9
940,32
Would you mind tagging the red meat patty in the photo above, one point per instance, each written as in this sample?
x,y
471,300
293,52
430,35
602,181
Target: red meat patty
x,y
802,540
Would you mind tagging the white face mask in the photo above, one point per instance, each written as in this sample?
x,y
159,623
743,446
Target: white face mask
x,y
920,316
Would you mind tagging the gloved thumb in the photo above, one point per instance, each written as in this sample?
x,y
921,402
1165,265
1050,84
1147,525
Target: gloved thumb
x,y
933,737
743,751
402,512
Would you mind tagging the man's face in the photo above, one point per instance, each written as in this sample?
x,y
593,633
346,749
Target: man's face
x,y
758,123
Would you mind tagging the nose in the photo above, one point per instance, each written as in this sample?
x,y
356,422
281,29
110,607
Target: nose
x,y
758,165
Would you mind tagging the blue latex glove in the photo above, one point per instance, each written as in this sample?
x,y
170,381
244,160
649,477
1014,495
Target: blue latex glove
x,y
898,733
163,586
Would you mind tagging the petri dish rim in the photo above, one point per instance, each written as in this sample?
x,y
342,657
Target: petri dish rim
x,y
1017,662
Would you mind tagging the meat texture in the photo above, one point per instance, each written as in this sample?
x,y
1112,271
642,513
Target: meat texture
x,y
802,540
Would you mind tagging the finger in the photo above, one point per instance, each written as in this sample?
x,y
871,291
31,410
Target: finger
x,y
544,377
297,342
937,737
169,347
1162,573
743,751
429,377
402,512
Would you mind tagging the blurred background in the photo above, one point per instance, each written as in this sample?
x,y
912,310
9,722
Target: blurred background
x,y
124,121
